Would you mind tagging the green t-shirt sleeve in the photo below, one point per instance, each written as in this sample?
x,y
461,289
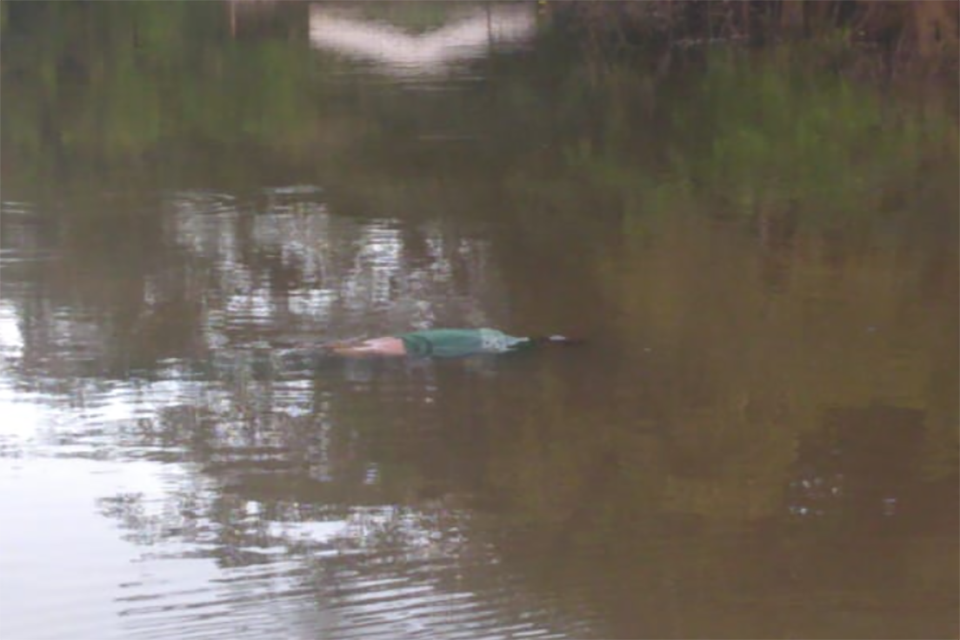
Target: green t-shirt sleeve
x,y
454,343
416,344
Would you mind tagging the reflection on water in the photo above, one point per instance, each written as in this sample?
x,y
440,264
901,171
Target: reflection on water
x,y
227,464
758,438
468,32
327,275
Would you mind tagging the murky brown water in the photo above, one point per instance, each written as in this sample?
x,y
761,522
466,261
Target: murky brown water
x,y
759,438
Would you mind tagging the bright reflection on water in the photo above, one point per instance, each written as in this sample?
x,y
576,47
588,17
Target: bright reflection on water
x,y
151,503
472,31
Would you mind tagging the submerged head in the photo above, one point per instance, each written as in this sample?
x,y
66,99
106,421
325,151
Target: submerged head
x,y
558,339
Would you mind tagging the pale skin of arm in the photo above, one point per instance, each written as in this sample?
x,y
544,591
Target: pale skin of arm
x,y
374,346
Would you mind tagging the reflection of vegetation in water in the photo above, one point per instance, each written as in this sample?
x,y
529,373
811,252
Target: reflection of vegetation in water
x,y
764,134
757,137
164,74
829,303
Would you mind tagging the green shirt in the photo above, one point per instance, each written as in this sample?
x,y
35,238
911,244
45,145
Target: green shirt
x,y
453,343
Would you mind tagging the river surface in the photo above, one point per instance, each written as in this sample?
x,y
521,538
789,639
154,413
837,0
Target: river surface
x,y
757,439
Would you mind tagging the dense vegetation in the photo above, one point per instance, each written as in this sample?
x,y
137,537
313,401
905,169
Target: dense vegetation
x,y
904,33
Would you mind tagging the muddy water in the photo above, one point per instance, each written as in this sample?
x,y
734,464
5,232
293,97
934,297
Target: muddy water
x,y
758,438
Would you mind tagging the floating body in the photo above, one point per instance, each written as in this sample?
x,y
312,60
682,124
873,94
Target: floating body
x,y
443,343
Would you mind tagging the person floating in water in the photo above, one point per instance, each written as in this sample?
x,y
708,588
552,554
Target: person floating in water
x,y
443,343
